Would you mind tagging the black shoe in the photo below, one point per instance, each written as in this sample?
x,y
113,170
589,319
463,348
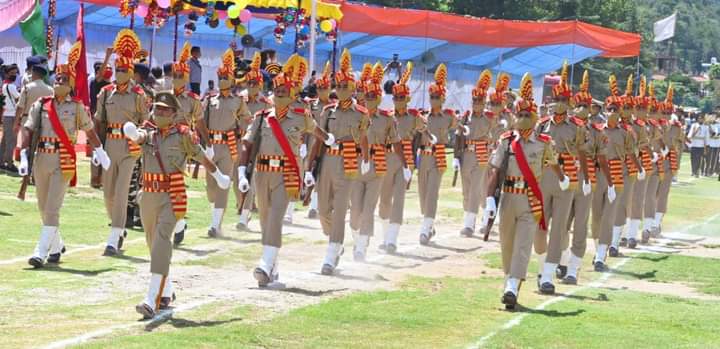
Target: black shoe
x,y
467,232
327,269
390,248
121,240
509,299
645,237
546,288
623,242
213,233
312,214
569,280
129,218
561,271
632,243
179,237
145,310
165,301
262,277
613,252
36,262
54,258
600,266
11,170
110,251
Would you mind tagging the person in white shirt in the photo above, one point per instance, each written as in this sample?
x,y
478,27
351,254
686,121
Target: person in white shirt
x,y
698,135
711,166
11,94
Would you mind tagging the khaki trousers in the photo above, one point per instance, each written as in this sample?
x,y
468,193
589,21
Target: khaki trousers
x,y
556,209
392,191
272,201
637,204
224,163
517,229
651,193
333,197
429,178
664,190
363,200
625,199
578,218
473,182
603,212
116,181
50,187
158,220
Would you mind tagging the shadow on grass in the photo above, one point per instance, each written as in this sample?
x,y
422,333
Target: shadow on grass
x,y
601,297
131,259
453,249
659,258
232,239
640,276
393,266
302,291
549,313
186,323
424,259
58,269
6,214
339,275
198,253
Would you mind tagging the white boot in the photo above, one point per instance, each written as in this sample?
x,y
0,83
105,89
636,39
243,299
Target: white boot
x,y
616,231
47,235
114,237
57,244
648,223
153,291
511,285
168,290
469,224
426,230
658,219
289,213
314,200
266,272
332,258
632,232
541,263
385,224
179,226
565,257
243,220
574,264
361,244
547,272
601,252
216,224
391,237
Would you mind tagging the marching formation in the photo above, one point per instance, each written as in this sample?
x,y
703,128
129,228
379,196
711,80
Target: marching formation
x,y
585,168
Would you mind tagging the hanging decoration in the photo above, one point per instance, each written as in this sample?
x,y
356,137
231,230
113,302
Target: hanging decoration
x,y
50,32
190,26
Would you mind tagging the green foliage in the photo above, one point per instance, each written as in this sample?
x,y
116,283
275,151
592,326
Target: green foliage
x,y
714,71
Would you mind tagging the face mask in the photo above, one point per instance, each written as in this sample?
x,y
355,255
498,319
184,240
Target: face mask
x,y
283,101
178,84
224,84
323,94
344,93
373,103
400,104
254,90
122,78
436,103
478,106
162,121
61,90
525,123
582,112
560,108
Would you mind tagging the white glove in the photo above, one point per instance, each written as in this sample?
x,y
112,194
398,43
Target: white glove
x,y
407,174
665,151
209,152
456,164
130,131
655,157
309,179
365,167
243,183
330,140
303,150
565,183
586,188
433,139
641,174
100,158
23,169
465,130
611,193
223,181
503,123
490,208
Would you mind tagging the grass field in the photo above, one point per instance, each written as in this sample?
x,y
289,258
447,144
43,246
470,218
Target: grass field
x,y
445,295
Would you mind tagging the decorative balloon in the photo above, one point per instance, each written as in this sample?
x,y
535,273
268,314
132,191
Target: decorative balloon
x,y
229,24
141,11
326,26
245,15
221,14
235,21
233,11
163,3
240,29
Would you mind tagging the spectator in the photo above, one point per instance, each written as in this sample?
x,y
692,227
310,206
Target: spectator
x,y
98,81
698,140
211,91
165,84
10,92
195,70
711,167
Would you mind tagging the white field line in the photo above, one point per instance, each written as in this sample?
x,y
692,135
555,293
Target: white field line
x,y
71,251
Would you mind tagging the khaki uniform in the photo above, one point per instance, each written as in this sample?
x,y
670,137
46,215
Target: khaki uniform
x,y
115,109
430,171
382,133
223,117
49,182
655,137
568,137
619,144
622,212
518,225
156,206
580,209
29,94
637,203
270,186
253,106
478,143
674,139
190,109
392,190
334,184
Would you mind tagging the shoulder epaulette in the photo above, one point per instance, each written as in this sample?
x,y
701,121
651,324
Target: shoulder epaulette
x,y
193,95
653,122
577,121
544,138
329,106
598,126
299,110
449,112
108,87
414,112
639,122
137,89
386,112
182,129
506,135
677,123
360,108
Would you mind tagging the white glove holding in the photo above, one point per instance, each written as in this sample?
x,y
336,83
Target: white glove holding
x,y
131,131
665,151
641,174
330,140
223,181
407,174
243,183
309,179
503,123
655,157
490,208
365,167
465,130
565,183
23,169
433,139
586,188
611,193
303,150
209,152
100,158
456,164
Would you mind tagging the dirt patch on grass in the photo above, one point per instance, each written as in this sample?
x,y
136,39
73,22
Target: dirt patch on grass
x,y
675,289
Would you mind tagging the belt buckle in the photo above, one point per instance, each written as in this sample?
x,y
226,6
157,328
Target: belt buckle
x,y
217,136
155,185
274,162
519,184
48,145
335,146
116,132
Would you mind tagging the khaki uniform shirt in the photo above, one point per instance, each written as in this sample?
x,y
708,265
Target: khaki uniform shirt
x,y
71,112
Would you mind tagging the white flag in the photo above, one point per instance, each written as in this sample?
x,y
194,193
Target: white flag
x,y
665,28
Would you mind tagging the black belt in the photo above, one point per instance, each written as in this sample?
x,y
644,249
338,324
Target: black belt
x,y
267,162
45,145
223,136
520,184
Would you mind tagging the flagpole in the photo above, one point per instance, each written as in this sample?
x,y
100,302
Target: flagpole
x,y
177,19
152,40
313,33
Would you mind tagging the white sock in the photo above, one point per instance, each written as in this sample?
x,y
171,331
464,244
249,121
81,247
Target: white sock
x,y
114,238
633,228
470,220
658,219
289,212
153,290
268,259
57,244
179,226
385,224
426,226
331,254
361,243
168,289
648,223
314,200
616,236
244,217
47,235
565,257
548,272
601,252
574,264
511,285
541,262
391,234
217,216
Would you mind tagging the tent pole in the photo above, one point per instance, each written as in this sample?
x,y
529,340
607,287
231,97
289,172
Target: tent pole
x,y
334,52
177,19
132,18
637,74
152,41
295,22
313,33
